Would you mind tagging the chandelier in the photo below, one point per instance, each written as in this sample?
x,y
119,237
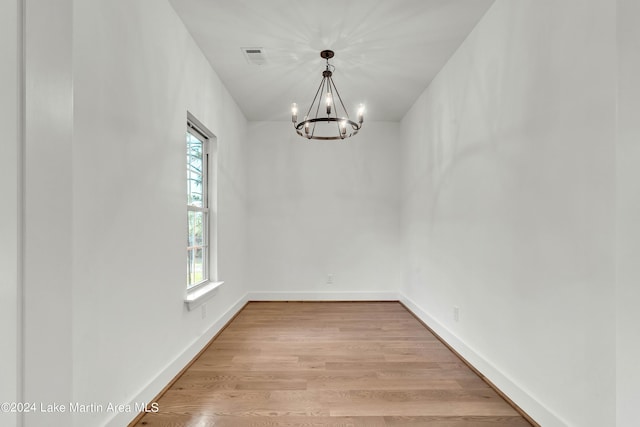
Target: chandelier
x,y
332,120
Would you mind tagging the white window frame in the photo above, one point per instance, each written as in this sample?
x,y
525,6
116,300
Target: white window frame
x,y
198,292
202,136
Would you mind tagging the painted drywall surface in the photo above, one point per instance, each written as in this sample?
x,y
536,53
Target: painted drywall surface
x,y
628,212
508,194
321,208
48,213
137,73
10,70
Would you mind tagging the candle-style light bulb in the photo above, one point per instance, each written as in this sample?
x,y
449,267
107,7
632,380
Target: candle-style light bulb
x,y
294,112
361,113
343,127
306,125
329,100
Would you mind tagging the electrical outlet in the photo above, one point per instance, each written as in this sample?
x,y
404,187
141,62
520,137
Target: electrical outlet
x,y
456,313
330,279
203,310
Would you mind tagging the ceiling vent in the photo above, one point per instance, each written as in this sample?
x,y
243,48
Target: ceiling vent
x,y
254,55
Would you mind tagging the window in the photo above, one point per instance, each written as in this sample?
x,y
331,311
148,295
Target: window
x,y
198,205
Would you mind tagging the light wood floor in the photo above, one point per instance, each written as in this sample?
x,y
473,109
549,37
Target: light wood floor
x,y
360,364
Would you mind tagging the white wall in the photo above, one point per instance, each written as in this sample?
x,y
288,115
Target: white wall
x,y
10,171
48,209
628,212
105,203
508,195
319,208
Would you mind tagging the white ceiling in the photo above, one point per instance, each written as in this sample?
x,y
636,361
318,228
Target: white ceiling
x,y
387,51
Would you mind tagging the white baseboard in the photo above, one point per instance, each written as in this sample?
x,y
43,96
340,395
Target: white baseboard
x,y
536,410
323,296
156,385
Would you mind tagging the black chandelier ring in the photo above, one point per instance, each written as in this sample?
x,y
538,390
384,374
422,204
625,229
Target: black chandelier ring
x,y
342,128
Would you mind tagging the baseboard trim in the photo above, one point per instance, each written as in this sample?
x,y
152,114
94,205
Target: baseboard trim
x,y
529,407
323,296
170,374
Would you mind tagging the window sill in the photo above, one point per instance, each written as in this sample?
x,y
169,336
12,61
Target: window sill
x,y
197,296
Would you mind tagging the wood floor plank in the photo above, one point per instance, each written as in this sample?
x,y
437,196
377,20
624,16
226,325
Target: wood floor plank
x,y
457,421
355,364
179,420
